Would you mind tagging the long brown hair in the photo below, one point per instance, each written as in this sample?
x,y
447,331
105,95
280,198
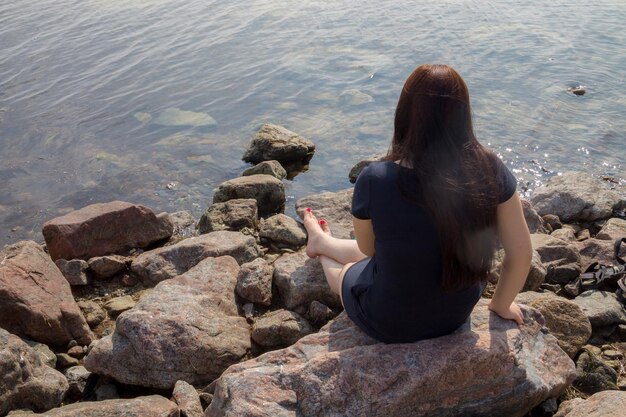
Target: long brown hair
x,y
453,176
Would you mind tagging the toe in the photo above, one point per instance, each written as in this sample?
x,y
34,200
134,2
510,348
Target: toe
x,y
324,225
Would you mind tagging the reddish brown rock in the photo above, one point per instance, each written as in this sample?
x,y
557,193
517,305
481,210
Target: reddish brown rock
x,y
151,406
489,367
36,301
25,381
102,229
187,328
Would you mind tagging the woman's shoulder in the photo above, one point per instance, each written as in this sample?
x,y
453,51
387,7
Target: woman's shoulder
x,y
379,169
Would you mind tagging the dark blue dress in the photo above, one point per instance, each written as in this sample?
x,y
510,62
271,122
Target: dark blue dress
x,y
396,295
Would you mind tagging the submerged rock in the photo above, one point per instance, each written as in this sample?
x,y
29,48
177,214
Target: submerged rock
x,y
25,381
186,329
103,229
489,366
576,196
274,142
177,117
36,301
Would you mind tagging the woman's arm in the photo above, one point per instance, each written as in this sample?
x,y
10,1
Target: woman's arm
x,y
364,233
518,253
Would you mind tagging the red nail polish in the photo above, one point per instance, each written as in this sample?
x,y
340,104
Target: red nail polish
x,y
308,209
322,221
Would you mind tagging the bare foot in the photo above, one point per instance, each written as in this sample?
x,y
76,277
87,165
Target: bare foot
x,y
315,232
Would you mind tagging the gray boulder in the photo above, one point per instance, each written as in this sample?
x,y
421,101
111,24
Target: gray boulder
x,y
186,329
25,381
602,308
231,215
283,231
275,142
167,262
269,192
576,196
488,367
80,381
273,168
300,280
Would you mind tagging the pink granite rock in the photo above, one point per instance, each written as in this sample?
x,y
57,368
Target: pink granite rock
x,y
150,406
25,381
167,262
36,301
103,229
489,367
601,404
186,329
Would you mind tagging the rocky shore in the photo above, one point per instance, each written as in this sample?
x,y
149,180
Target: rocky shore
x,y
125,312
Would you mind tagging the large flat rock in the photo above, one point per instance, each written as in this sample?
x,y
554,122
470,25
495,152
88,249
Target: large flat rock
x,y
488,367
25,381
186,329
36,301
104,228
167,262
150,406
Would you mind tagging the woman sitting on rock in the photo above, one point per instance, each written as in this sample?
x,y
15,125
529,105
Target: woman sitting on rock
x,y
427,220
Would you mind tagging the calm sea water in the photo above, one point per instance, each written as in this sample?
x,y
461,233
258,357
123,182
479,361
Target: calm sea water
x,y
93,93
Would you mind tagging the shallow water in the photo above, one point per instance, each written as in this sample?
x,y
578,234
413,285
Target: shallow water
x,y
111,99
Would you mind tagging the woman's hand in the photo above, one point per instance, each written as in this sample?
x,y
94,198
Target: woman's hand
x,y
512,313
